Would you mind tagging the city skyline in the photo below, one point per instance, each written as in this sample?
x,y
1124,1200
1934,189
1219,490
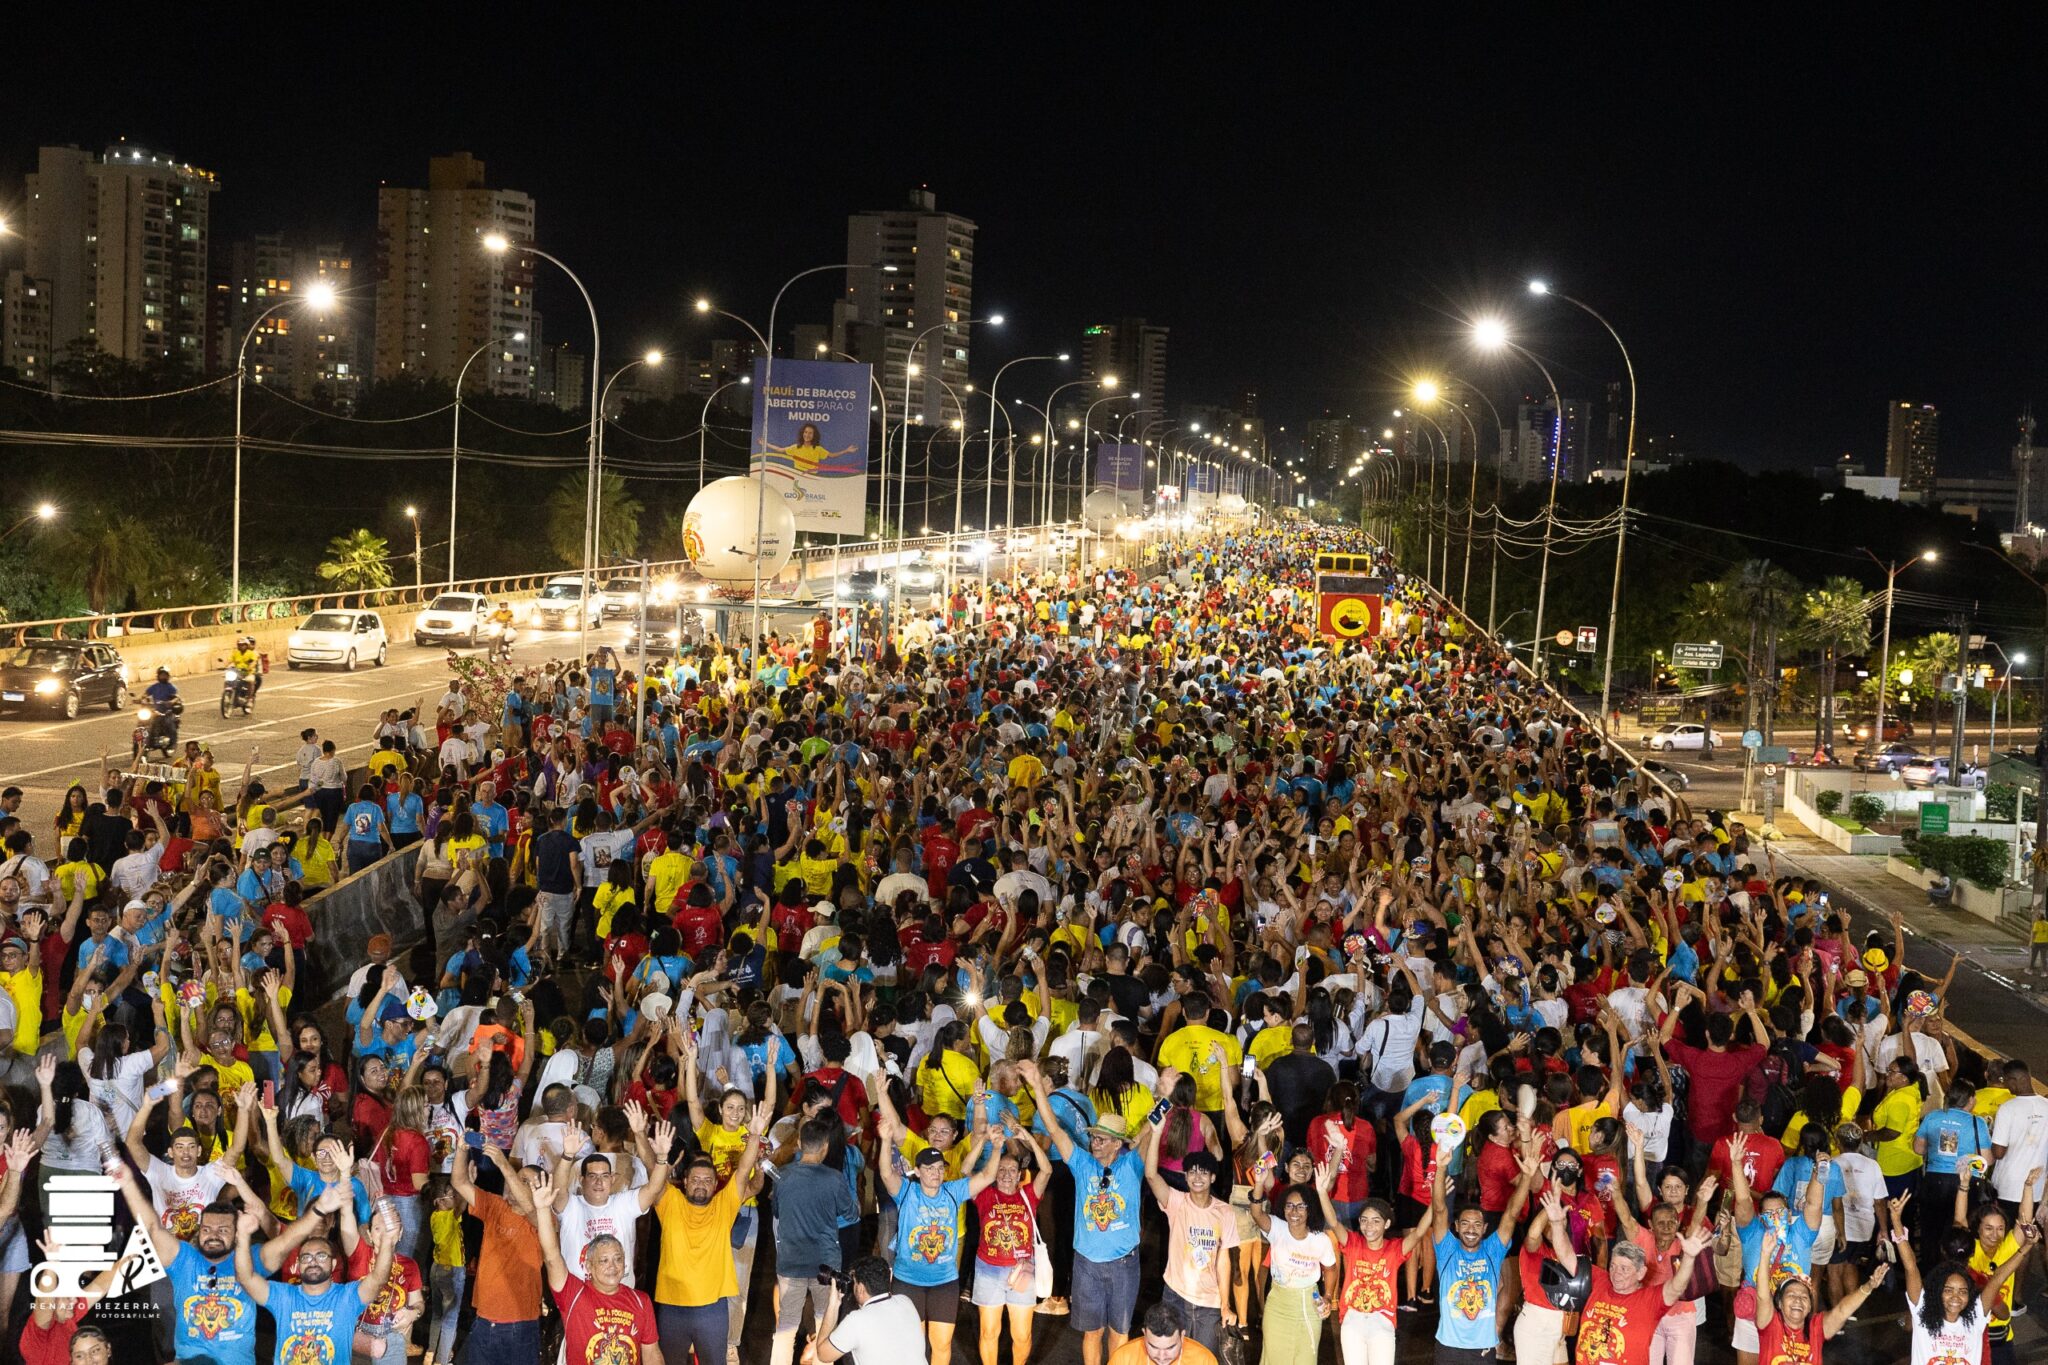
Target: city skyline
x,y
1728,247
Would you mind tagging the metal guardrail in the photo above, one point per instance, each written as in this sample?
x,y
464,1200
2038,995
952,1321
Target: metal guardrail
x,y
214,615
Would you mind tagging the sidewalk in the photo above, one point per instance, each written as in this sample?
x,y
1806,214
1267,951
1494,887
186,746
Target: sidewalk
x,y
1992,1001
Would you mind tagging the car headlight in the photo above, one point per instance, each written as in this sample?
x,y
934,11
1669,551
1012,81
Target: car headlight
x,y
48,687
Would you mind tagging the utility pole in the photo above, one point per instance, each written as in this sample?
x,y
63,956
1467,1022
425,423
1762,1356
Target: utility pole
x,y
1962,705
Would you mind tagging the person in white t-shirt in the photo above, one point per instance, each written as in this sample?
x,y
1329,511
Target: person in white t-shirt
x,y
882,1329
179,1188
2019,1140
594,1205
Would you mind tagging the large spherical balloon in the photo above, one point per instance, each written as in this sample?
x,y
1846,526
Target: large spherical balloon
x,y
1101,510
718,531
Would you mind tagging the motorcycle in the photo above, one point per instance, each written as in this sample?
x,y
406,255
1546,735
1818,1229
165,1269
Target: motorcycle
x,y
501,645
237,692
156,729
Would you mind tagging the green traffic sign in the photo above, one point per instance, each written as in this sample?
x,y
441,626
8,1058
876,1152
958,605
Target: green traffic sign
x,y
1934,817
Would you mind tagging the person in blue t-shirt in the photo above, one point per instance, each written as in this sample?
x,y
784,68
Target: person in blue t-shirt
x,y
365,832
928,1223
1468,1262
1108,1179
214,1318
1796,1229
316,1318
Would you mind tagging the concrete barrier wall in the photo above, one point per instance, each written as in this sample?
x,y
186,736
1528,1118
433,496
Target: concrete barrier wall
x,y
348,914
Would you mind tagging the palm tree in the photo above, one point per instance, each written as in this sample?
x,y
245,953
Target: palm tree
x,y
1833,618
357,561
618,533
1926,659
111,555
1746,607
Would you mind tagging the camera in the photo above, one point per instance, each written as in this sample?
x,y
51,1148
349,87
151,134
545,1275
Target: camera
x,y
840,1280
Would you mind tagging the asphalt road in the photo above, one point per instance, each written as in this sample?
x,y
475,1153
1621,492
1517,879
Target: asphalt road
x,y
1989,1001
44,755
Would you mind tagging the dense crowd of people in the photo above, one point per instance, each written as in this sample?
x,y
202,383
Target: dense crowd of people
x,y
1109,954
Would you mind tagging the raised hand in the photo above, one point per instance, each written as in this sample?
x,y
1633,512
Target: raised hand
x,y
573,1140
636,1116
757,1124
663,1138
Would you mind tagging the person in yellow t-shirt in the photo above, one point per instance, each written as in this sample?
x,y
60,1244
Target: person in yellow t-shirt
x,y
1191,1049
75,868
667,873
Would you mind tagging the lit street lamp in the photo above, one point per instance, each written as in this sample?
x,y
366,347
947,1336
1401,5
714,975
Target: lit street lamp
x,y
44,512
1628,460
412,514
319,298
1491,334
498,244
1884,663
651,360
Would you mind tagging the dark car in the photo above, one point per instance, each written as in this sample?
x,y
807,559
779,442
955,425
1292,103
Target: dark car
x,y
63,676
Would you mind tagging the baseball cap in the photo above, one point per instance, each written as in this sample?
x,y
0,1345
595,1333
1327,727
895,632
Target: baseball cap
x,y
379,943
20,945
931,1156
393,1011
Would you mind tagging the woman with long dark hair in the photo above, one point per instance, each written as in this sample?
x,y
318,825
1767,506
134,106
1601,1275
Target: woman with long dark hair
x,y
74,1134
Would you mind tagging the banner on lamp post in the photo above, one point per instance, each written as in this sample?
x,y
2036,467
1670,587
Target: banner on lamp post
x,y
810,440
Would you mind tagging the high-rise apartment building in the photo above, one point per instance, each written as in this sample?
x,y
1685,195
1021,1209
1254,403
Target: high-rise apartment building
x,y
114,259
1911,439
1133,350
312,357
884,312
440,295
1333,443
1540,441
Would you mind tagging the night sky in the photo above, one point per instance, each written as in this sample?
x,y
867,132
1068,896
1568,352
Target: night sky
x,y
1790,226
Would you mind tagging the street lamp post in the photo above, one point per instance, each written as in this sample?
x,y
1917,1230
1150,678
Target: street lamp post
x,y
455,443
412,514
1628,462
498,244
320,297
761,489
903,418
704,420
652,360
1884,663
1490,334
989,489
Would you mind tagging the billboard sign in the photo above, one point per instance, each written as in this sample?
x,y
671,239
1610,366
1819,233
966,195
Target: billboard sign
x,y
1121,467
810,440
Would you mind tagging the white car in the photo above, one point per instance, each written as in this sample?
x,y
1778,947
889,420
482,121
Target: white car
x,y
1680,736
620,597
1933,772
346,638
462,618
560,605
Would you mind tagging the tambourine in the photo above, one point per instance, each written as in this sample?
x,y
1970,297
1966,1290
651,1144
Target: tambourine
x,y
1447,1129
192,994
420,1005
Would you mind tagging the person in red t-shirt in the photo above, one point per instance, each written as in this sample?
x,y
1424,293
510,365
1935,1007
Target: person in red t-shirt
x,y
603,1318
1355,1144
1788,1331
940,853
1372,1266
1719,1069
698,923
1623,1309
1761,1156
